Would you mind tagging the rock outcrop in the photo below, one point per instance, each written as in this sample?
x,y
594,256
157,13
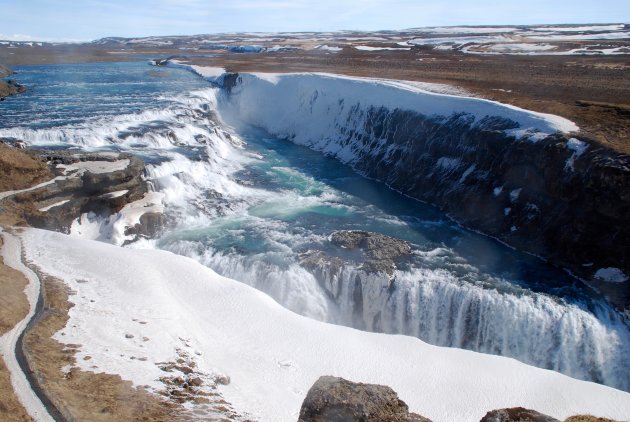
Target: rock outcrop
x,y
101,184
333,399
375,252
516,414
379,251
9,87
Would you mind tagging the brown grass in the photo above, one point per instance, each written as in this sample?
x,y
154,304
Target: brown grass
x,y
20,169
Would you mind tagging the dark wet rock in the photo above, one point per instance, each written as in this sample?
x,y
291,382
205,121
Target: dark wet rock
x,y
516,414
150,225
333,399
380,252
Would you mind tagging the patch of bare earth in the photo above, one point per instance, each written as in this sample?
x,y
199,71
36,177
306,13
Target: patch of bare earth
x,y
13,308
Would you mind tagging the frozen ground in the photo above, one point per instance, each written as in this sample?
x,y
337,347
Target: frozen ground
x,y
272,355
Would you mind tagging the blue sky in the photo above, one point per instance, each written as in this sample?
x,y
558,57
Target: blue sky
x,y
91,19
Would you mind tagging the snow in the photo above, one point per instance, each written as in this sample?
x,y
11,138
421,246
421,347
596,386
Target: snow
x,y
521,47
113,228
98,167
116,194
611,275
6,194
329,48
367,48
56,204
575,37
579,28
11,255
466,30
208,72
272,355
313,106
578,147
459,40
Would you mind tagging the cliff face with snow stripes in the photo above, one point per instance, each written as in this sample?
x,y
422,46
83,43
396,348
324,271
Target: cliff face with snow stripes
x,y
507,172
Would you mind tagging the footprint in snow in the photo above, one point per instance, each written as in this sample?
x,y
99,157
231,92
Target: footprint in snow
x,y
288,364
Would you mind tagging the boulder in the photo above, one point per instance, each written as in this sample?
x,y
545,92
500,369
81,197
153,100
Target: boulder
x,y
516,414
333,399
379,251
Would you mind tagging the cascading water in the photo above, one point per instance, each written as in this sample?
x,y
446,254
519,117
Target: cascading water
x,y
249,209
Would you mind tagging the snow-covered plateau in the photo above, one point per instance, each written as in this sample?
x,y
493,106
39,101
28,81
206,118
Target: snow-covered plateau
x,y
272,355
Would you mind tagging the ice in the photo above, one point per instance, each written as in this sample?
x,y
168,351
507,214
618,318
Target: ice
x,y
271,354
611,275
578,147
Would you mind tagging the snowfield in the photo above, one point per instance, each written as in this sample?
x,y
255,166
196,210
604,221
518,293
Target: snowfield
x,y
272,355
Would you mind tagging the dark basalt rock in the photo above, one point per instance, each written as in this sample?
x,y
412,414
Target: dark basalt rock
x,y
516,414
333,399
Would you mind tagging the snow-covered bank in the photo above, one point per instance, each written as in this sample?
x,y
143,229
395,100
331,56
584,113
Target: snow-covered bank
x,y
272,355
310,106
11,254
